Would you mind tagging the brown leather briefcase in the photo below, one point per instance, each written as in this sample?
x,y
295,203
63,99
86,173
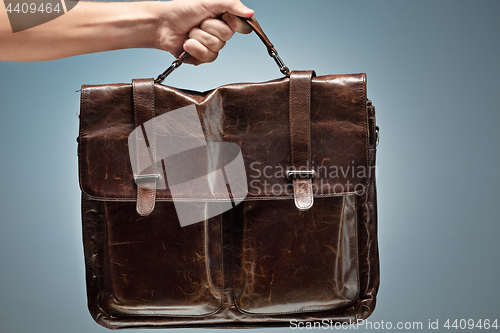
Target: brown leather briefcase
x,y
294,240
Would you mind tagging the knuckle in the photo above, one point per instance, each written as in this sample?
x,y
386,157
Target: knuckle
x,y
213,43
206,23
229,19
213,57
226,34
204,55
193,33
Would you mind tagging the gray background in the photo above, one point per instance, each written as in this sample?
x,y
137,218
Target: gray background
x,y
433,69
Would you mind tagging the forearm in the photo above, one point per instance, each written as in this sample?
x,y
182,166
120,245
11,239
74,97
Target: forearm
x,y
90,27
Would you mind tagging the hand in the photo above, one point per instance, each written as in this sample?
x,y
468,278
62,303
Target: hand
x,y
200,27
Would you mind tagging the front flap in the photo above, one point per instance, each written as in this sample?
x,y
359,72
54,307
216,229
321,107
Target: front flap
x,y
253,116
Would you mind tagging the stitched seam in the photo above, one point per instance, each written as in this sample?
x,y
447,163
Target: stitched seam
x,y
145,197
155,314
318,309
367,138
309,115
290,112
152,199
138,202
83,100
309,194
235,292
295,196
152,192
221,277
309,182
358,282
263,197
108,289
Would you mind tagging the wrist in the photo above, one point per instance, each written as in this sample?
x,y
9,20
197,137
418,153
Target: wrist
x,y
157,15
114,26
136,26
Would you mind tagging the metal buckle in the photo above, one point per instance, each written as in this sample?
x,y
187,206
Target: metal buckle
x,y
305,174
139,178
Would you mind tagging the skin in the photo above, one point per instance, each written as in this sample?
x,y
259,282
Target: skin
x,y
200,27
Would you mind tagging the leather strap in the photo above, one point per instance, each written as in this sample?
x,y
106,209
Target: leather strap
x,y
300,137
252,22
144,108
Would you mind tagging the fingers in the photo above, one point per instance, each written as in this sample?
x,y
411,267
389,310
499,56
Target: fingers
x,y
210,41
217,28
236,24
208,22
200,52
205,42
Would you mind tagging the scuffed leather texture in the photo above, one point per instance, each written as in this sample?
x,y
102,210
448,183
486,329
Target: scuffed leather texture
x,y
264,262
255,116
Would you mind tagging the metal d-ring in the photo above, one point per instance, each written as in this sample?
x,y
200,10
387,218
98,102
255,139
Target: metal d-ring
x,y
283,68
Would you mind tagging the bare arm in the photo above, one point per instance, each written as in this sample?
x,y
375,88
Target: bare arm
x,y
193,25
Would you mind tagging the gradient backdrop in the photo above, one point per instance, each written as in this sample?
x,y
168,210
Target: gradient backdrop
x,y
433,74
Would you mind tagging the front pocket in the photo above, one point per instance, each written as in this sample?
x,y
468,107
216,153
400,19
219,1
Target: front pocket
x,y
157,267
294,261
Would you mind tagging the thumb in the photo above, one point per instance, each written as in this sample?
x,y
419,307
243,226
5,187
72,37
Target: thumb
x,y
234,7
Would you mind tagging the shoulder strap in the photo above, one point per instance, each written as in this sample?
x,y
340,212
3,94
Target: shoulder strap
x,y
300,138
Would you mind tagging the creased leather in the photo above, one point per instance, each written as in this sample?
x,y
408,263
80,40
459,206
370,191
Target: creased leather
x,y
259,265
255,116
367,234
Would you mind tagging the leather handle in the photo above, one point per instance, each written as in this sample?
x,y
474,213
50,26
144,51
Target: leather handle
x,y
252,22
